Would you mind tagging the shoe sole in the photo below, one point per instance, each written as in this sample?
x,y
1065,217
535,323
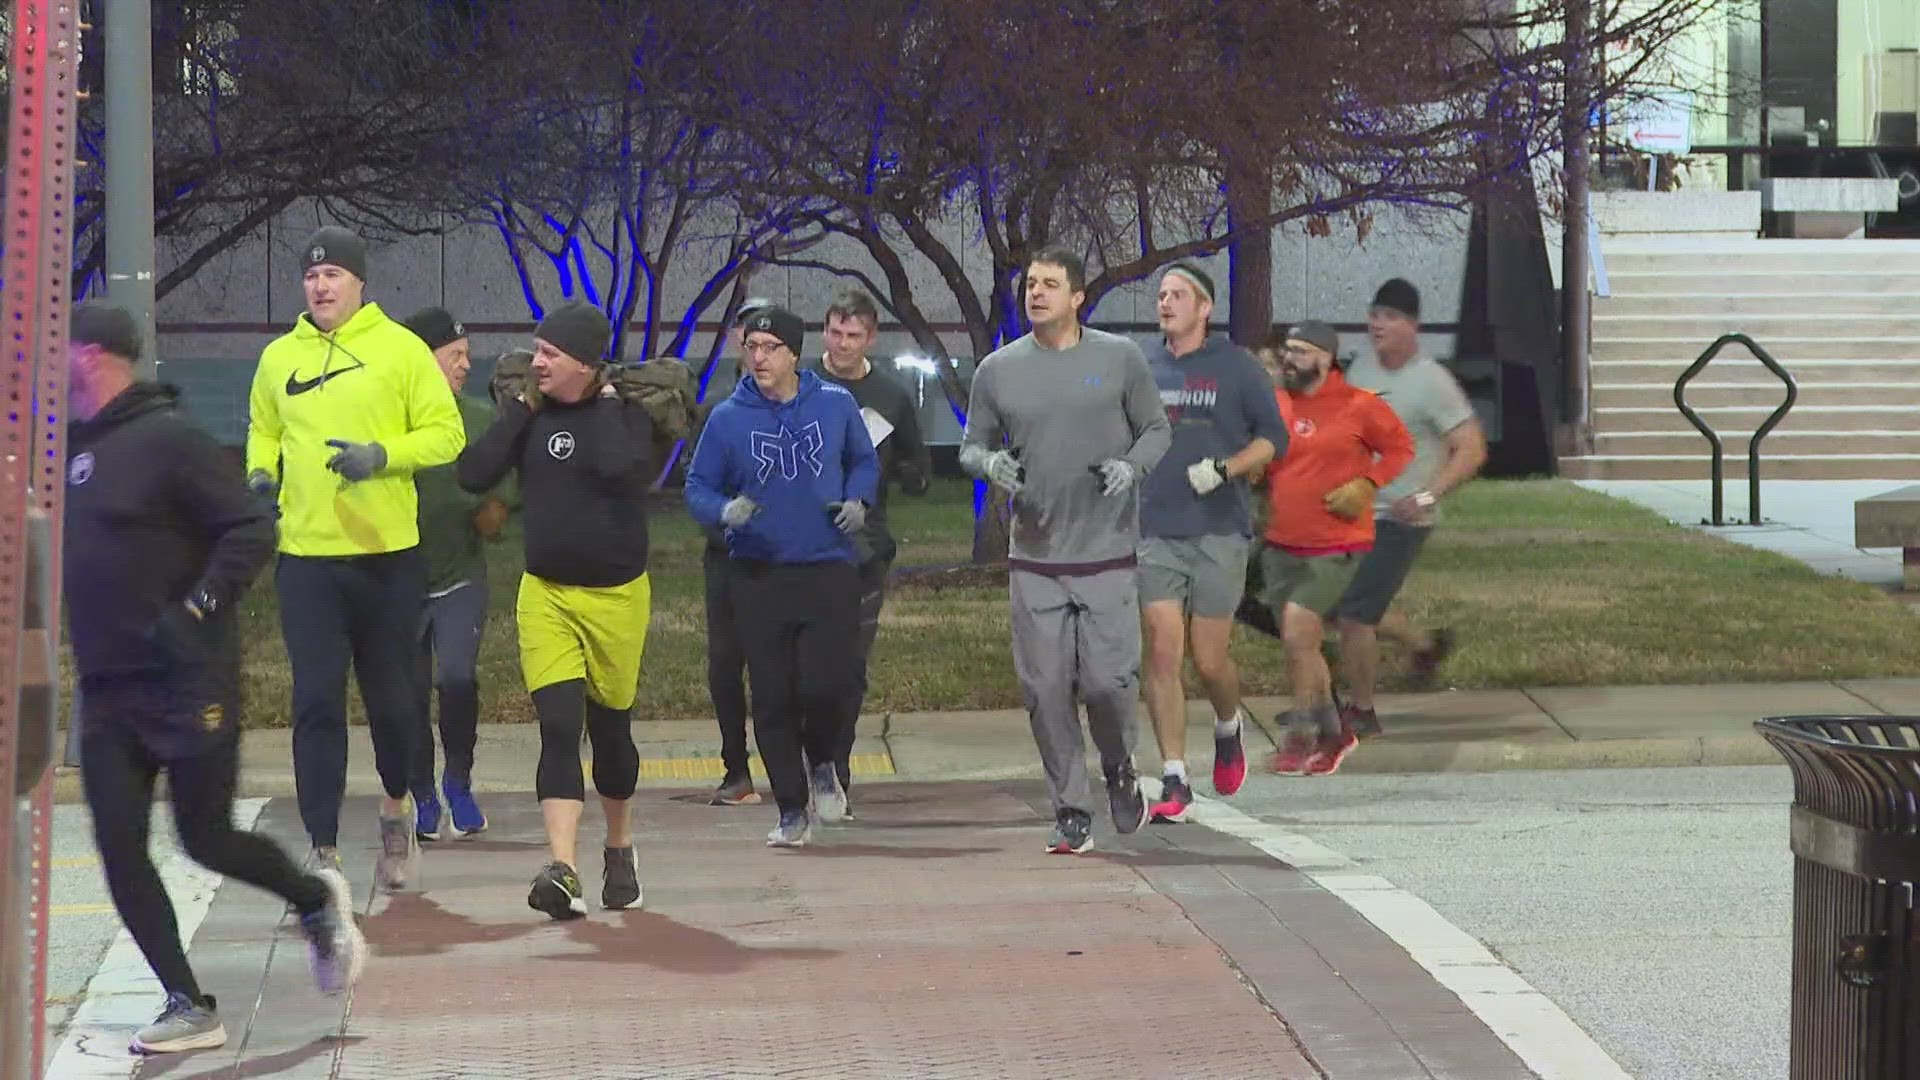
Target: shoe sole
x,y
1064,848
803,840
1168,813
751,798
549,898
206,1040
468,834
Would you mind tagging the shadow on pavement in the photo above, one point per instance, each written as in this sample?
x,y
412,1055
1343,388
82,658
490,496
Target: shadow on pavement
x,y
654,940
178,1065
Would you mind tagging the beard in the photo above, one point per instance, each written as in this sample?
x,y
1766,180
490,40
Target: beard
x,y
1298,378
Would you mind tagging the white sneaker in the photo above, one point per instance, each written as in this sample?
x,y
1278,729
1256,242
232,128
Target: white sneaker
x,y
336,949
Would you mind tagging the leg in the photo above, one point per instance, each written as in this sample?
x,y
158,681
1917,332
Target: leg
x,y
1306,667
559,783
1107,651
313,622
390,603
1165,587
1366,601
201,788
726,665
1220,571
873,597
459,623
614,626
829,680
760,600
420,774
117,773
1043,649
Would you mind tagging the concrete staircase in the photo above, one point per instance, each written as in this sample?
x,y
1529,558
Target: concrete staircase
x,y
1843,317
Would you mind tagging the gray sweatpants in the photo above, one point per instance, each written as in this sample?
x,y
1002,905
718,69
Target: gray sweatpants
x,y
1078,639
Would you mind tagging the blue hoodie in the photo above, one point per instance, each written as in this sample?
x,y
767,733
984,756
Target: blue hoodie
x,y
792,458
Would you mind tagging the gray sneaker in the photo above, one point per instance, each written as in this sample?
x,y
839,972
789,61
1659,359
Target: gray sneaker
x,y
1125,799
1072,832
398,847
794,830
182,1025
829,802
336,950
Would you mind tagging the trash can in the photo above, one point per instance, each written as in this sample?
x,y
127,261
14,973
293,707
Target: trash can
x,y
1856,855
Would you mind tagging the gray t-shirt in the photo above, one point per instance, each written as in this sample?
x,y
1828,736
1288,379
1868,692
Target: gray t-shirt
x,y
1428,400
1064,411
1218,400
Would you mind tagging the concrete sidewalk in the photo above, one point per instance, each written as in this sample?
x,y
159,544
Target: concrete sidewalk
x,y
1444,731
930,938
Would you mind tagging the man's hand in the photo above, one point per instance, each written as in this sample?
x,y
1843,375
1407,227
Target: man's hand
x,y
357,461
262,485
1004,471
531,397
1350,499
1116,476
490,519
1414,509
737,511
849,516
1206,476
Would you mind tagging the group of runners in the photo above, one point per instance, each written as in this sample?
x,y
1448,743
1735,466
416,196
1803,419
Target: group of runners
x,y
1135,480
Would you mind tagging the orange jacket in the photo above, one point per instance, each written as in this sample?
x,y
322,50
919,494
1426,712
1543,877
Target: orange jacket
x,y
1335,434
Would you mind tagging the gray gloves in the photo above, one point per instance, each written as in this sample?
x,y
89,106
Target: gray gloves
x,y
1206,476
849,516
1001,468
1116,475
737,511
357,461
262,485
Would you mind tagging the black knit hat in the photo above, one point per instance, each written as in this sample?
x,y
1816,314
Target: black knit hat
x,y
331,245
1398,294
779,322
1317,334
436,327
578,329
107,326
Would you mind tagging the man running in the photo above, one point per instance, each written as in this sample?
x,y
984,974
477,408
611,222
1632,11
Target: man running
x,y
344,410
1067,420
583,458
726,659
785,466
453,527
1449,447
1196,528
853,321
162,541
1344,445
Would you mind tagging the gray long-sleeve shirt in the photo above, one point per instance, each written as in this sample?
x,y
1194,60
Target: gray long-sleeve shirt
x,y
1063,411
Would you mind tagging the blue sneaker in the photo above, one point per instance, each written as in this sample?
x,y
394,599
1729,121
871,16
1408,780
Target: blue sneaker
x,y
426,817
468,821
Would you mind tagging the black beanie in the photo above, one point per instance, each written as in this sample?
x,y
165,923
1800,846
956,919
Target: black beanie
x,y
107,326
1399,295
779,322
577,329
436,327
331,245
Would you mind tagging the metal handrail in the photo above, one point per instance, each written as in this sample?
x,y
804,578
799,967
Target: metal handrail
x,y
1753,446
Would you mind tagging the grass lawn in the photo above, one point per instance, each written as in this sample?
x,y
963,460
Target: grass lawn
x,y
1546,584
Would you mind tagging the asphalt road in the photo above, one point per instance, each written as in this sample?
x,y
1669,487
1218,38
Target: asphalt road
x,y
1653,906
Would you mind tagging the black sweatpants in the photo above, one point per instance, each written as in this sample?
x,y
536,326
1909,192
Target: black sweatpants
x,y
130,733
795,622
726,664
361,611
873,597
447,661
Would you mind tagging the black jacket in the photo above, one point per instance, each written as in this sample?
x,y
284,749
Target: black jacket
x,y
156,513
904,458
585,471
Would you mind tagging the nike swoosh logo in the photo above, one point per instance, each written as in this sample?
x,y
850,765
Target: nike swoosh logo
x,y
296,385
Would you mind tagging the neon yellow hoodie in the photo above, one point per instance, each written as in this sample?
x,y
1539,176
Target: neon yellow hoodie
x,y
372,380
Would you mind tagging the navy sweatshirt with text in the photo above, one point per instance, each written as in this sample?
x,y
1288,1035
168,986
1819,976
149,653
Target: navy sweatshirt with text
x,y
792,458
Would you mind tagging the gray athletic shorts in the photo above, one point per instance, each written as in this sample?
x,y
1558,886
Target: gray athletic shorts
x,y
1205,574
1382,572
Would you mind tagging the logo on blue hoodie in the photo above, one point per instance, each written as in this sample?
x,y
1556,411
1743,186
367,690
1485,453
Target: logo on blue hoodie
x,y
786,450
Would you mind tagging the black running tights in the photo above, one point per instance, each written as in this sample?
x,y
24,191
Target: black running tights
x,y
616,760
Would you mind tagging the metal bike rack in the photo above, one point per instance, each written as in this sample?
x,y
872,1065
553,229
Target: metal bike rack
x,y
1753,446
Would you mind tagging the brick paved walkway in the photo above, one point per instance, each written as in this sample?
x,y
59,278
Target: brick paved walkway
x,y
932,938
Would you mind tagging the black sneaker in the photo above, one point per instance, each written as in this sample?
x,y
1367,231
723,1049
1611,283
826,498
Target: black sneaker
x,y
1072,832
556,891
620,884
1427,661
735,790
1175,797
1125,799
1364,722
